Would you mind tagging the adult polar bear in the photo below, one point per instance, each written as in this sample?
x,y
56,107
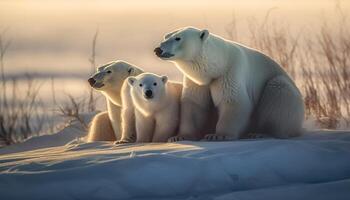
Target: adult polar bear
x,y
251,92
109,80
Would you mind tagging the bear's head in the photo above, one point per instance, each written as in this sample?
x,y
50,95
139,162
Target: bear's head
x,y
110,77
147,89
183,44
188,49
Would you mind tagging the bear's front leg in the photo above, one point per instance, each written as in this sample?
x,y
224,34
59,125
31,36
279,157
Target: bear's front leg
x,y
193,118
233,121
114,113
196,108
128,125
144,128
166,125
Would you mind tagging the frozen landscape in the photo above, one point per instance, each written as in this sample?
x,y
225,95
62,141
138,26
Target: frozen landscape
x,y
48,49
63,166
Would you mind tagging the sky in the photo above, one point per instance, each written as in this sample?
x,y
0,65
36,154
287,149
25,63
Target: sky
x,y
55,36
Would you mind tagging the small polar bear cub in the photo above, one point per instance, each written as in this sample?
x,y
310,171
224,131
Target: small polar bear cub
x,y
157,107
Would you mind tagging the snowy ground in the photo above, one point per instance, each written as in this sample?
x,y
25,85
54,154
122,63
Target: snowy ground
x,y
315,166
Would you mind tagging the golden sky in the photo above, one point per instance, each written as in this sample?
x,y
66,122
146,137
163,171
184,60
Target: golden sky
x,y
55,35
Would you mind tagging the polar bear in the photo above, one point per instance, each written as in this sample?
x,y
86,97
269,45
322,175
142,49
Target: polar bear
x,y
157,108
250,91
109,80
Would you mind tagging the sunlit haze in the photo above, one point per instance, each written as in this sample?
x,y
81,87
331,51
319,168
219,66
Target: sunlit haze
x,y
55,36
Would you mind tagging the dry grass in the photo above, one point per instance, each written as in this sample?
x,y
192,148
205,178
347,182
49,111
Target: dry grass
x,y
92,60
327,79
73,109
17,113
23,114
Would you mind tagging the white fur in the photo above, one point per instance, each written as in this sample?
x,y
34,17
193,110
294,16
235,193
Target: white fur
x,y
101,128
156,118
113,85
239,80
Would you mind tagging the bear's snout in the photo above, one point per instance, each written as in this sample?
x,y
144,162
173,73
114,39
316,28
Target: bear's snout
x,y
158,51
91,81
149,94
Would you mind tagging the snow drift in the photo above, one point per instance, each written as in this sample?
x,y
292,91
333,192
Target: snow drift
x,y
315,166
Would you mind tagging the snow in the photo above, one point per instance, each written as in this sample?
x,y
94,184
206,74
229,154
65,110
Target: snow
x,y
73,131
314,166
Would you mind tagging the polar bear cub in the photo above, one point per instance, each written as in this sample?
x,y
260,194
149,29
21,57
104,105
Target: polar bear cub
x,y
157,107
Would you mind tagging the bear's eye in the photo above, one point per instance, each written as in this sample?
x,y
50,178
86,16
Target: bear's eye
x,y
129,70
155,84
140,85
177,39
109,71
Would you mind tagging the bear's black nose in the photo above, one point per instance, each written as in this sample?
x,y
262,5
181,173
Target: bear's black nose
x,y
91,81
149,94
158,51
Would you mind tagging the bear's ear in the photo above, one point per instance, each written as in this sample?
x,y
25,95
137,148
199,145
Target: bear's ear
x,y
130,70
164,79
131,80
204,34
